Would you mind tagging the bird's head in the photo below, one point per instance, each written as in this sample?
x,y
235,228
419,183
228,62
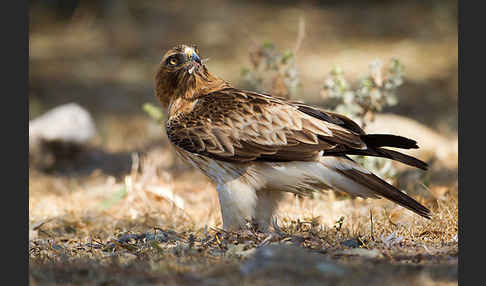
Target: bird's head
x,y
181,73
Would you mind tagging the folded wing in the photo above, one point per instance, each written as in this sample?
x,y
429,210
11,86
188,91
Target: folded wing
x,y
232,125
241,126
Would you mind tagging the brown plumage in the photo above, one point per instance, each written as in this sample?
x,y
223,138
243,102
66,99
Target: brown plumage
x,y
254,145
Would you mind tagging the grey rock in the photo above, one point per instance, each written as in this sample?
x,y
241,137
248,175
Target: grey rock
x,y
66,127
68,123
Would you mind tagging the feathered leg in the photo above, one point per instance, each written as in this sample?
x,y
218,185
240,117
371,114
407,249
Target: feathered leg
x,y
266,204
238,202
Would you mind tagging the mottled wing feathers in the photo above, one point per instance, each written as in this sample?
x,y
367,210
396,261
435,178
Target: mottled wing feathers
x,y
237,126
241,126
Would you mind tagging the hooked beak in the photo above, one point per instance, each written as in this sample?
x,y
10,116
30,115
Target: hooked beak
x,y
196,58
191,54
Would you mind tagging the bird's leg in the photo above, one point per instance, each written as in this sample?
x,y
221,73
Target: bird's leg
x,y
238,202
266,204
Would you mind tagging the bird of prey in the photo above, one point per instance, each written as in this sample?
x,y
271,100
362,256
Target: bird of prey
x,y
256,146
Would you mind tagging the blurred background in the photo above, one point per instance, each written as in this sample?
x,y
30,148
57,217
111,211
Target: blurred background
x,y
105,185
103,56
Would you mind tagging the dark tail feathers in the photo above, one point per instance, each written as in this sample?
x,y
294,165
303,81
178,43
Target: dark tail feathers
x,y
376,141
382,140
384,189
406,159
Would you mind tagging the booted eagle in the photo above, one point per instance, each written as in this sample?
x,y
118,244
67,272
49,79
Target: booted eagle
x,y
255,146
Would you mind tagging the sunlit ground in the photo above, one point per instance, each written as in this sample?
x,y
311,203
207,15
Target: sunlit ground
x,y
127,211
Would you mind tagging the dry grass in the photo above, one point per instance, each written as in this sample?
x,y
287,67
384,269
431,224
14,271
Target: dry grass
x,y
160,224
110,217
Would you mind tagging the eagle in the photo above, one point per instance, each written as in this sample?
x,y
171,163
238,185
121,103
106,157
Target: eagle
x,y
255,146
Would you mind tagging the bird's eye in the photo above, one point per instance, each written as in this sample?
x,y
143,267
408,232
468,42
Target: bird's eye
x,y
173,61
